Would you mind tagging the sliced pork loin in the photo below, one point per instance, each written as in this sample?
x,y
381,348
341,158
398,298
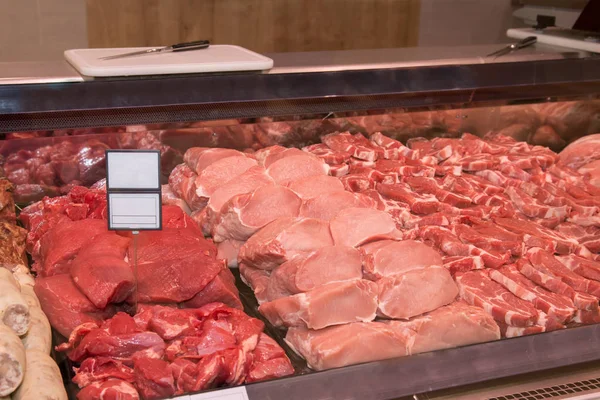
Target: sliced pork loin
x,y
284,239
314,186
219,173
356,226
306,272
199,158
229,250
257,279
245,214
328,205
330,304
342,345
272,154
288,169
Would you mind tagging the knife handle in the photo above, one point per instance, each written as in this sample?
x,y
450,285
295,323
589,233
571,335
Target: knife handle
x,y
198,44
528,41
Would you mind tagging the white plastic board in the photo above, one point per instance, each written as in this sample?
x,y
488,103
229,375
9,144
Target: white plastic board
x,y
216,58
555,38
133,170
134,211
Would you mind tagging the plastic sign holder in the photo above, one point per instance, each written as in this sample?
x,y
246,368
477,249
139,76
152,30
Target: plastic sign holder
x,y
133,190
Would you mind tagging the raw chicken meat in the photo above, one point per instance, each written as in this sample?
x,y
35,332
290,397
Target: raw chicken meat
x,y
330,304
283,239
356,226
245,214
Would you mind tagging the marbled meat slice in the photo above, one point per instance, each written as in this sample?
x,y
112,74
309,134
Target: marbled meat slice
x,y
581,266
477,289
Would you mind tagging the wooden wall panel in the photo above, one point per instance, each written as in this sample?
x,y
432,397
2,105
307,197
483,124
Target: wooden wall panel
x,y
260,25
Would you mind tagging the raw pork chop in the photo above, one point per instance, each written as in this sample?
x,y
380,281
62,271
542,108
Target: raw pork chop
x,y
245,214
283,239
228,250
219,173
250,180
457,324
341,345
390,257
477,289
64,305
62,243
540,276
257,279
356,226
330,304
292,168
549,265
271,154
556,306
415,292
182,182
173,265
328,205
100,270
581,266
198,158
313,186
306,272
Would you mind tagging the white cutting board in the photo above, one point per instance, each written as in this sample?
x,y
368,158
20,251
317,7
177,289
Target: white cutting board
x,y
560,38
216,58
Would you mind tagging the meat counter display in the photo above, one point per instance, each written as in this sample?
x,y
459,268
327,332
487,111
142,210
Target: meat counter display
x,y
351,253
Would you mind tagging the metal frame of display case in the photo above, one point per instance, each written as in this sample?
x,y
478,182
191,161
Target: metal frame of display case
x,y
383,83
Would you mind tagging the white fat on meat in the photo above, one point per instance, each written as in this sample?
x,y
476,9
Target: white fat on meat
x,y
245,214
356,226
330,304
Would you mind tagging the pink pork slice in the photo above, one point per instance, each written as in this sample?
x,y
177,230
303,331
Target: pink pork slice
x,y
582,266
542,277
257,279
548,263
228,250
328,205
356,226
245,214
283,239
390,257
415,292
556,306
330,304
457,324
272,154
219,173
288,169
314,186
342,345
306,272
456,264
250,180
477,289
198,158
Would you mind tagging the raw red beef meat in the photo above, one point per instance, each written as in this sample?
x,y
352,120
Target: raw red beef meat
x,y
330,304
283,239
220,290
357,145
101,368
556,306
100,271
172,265
478,289
108,390
245,214
356,226
153,378
64,305
268,361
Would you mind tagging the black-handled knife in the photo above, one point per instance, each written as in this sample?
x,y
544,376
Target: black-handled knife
x,y
197,45
528,41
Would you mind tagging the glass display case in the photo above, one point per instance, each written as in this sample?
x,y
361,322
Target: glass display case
x,y
474,182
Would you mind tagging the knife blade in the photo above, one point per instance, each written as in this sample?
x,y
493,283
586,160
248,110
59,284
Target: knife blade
x,y
187,46
528,41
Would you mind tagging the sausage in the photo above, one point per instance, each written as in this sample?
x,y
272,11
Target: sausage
x,y
14,310
23,276
39,336
42,380
12,361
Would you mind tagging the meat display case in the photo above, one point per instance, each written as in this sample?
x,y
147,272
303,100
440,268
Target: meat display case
x,y
547,96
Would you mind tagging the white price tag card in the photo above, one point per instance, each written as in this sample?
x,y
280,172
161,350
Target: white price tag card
x,y
236,393
134,211
133,169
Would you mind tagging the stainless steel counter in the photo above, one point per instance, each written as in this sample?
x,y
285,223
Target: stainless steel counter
x,y
325,61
